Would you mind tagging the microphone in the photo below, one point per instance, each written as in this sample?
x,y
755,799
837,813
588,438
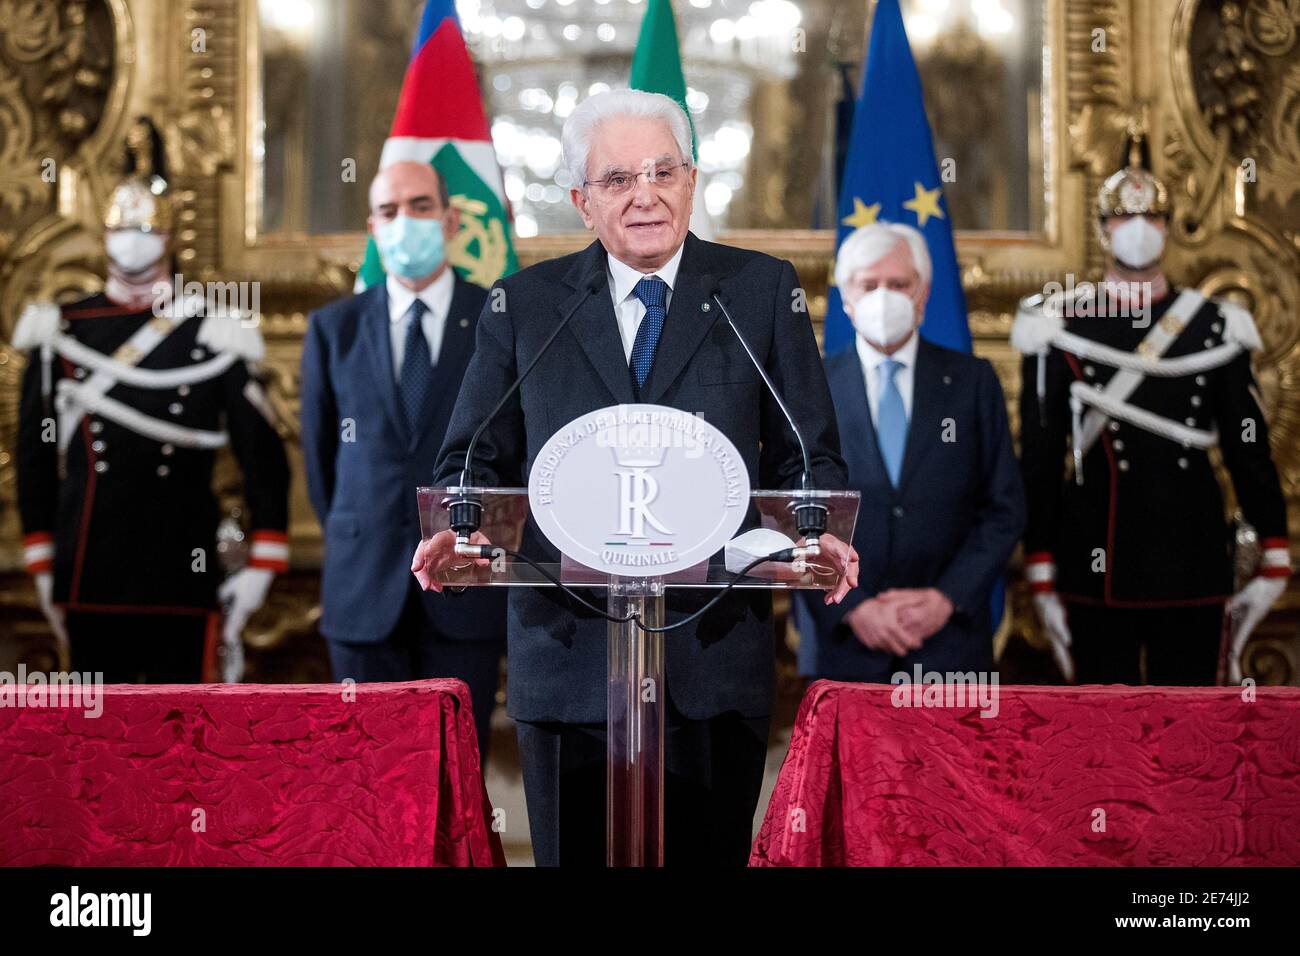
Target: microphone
x,y
467,507
810,517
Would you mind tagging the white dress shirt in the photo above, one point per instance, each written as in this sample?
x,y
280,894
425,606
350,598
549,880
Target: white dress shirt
x,y
437,296
903,378
628,309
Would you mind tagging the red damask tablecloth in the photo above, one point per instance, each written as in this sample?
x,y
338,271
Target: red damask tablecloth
x,y
1076,776
247,775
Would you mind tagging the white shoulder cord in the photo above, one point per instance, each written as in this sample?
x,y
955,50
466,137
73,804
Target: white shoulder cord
x,y
74,351
128,417
1081,394
1161,368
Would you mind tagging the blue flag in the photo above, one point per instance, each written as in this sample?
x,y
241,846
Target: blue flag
x,y
891,174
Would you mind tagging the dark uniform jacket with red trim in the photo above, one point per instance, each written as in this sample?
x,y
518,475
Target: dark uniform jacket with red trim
x,y
1147,527
126,521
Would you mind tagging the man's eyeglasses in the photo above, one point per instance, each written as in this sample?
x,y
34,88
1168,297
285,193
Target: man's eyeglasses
x,y
617,183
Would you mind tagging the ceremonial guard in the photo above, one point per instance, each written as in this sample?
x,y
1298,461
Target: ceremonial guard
x,y
1127,385
127,396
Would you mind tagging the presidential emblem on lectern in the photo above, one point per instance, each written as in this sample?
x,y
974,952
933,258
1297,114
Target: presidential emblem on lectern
x,y
635,458
639,490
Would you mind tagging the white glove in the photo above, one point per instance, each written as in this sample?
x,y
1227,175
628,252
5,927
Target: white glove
x,y
232,657
240,594
1246,609
1051,613
54,615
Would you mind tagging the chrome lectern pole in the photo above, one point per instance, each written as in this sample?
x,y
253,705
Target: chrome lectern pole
x,y
634,775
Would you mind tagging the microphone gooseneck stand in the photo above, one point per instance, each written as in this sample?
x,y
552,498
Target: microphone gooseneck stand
x,y
635,671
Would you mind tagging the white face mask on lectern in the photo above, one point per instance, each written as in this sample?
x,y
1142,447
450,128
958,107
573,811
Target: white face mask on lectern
x,y
884,316
1137,244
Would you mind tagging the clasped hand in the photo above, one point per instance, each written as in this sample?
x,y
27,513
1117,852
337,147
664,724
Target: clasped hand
x,y
899,620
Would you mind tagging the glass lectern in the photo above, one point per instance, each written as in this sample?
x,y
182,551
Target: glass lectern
x,y
635,731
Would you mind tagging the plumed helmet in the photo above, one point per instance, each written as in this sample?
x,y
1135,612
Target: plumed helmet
x,y
142,199
1133,190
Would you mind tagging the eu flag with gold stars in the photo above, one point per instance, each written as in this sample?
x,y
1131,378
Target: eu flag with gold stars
x,y
891,174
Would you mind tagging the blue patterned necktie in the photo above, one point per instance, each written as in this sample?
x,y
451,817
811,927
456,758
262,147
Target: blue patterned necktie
x,y
416,377
653,293
891,420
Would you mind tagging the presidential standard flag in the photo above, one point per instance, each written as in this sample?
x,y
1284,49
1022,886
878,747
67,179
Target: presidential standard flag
x,y
657,60
891,174
440,120
657,68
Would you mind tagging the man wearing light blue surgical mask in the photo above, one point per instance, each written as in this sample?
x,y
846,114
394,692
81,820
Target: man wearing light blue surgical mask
x,y
413,222
380,373
924,432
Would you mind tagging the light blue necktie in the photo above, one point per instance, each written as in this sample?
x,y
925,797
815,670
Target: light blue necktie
x,y
653,293
891,420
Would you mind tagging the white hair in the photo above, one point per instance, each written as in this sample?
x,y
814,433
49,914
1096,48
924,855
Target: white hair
x,y
867,245
580,128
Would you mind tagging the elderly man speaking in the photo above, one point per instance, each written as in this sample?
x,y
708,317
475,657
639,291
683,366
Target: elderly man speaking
x,y
924,432
645,334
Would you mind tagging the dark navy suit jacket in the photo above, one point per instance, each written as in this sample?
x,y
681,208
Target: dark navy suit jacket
x,y
364,463
951,524
557,650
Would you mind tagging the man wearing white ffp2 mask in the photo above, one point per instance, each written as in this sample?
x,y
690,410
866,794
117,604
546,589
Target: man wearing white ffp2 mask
x,y
884,318
1136,242
138,260
930,452
127,395
885,299
1128,387
133,251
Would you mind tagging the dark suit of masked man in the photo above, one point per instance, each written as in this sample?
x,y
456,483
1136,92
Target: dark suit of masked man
x,y
380,372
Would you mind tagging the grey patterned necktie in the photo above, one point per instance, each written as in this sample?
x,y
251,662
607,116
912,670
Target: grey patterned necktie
x,y
416,377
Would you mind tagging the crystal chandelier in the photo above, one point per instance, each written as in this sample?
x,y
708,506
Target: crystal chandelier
x,y
540,58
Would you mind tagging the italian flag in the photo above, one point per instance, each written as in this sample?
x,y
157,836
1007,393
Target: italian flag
x,y
657,68
440,120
